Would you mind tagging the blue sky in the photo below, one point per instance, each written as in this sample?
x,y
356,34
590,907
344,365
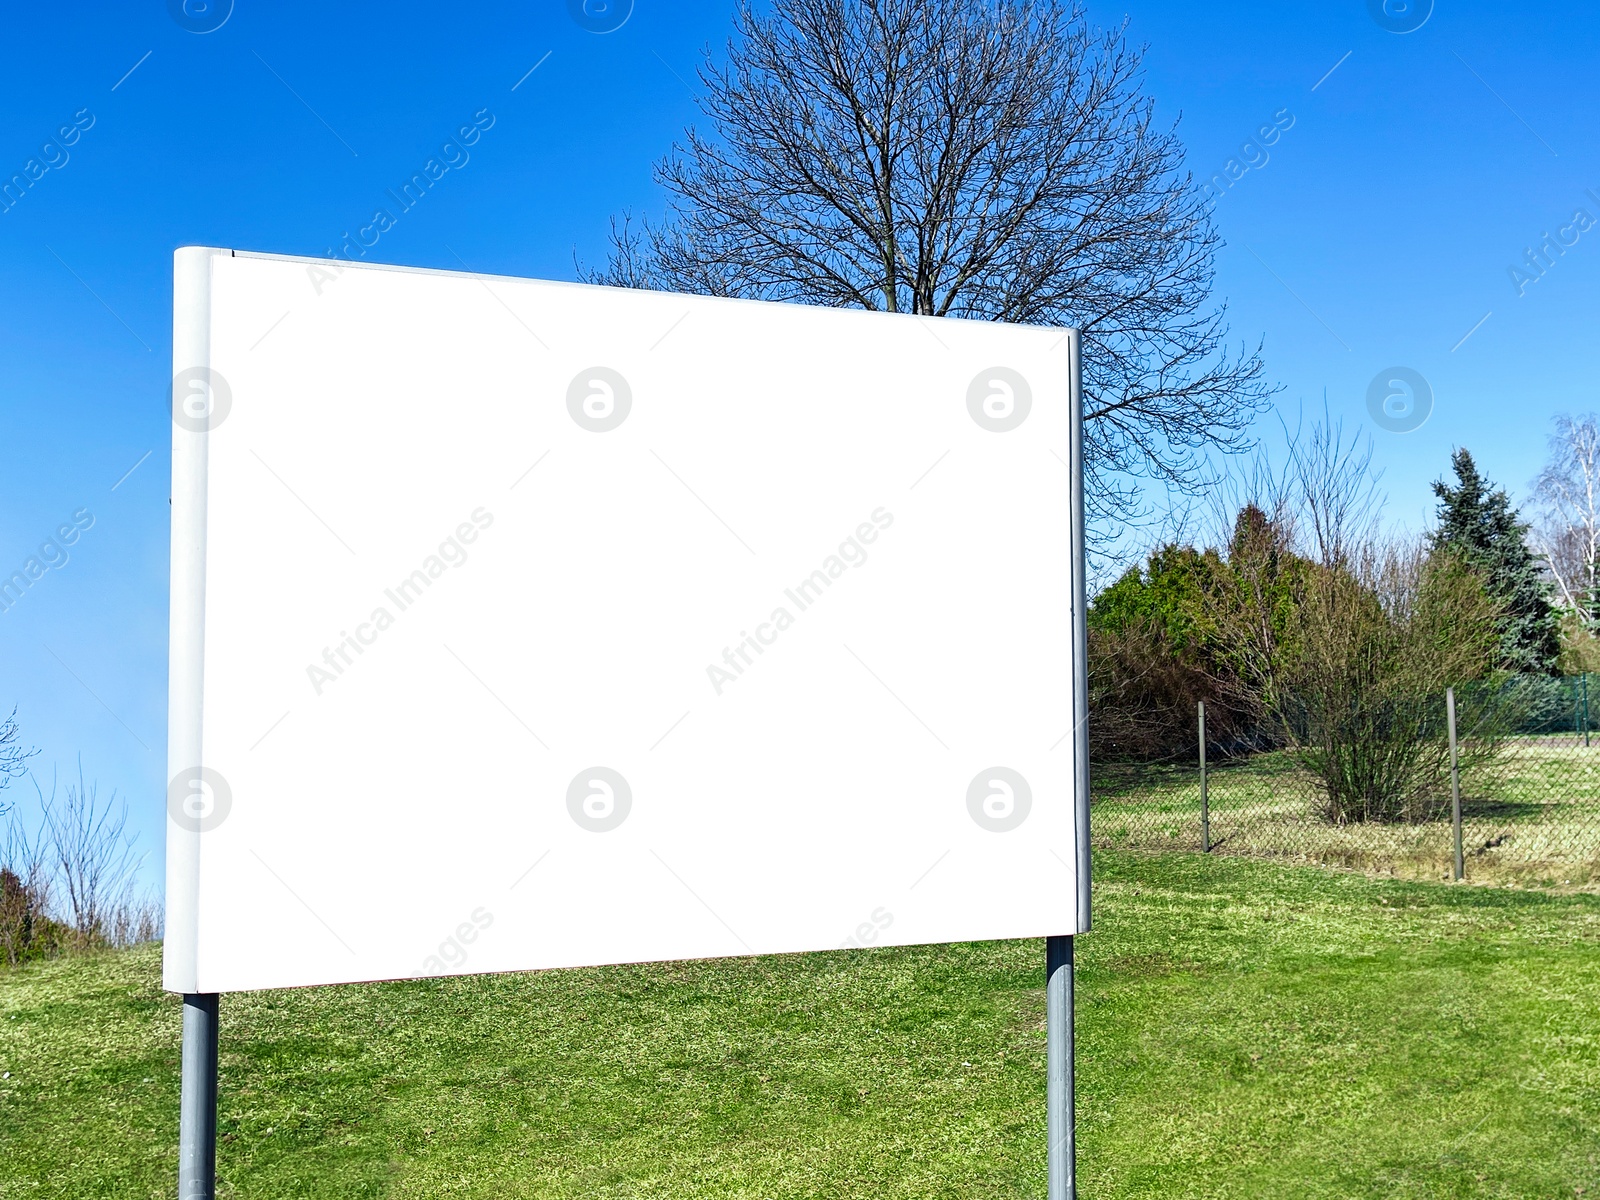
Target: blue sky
x,y
1379,232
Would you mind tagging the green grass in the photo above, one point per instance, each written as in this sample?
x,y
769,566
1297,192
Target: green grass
x,y
1531,816
1245,1030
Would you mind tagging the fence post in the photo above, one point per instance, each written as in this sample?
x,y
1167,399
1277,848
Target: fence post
x,y
1455,775
1586,710
1205,799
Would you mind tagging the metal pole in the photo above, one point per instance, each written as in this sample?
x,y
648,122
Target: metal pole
x,y
1061,1125
1455,774
1586,710
197,1119
1205,797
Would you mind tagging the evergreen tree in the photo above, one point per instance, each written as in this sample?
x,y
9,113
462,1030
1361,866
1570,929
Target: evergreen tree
x,y
1477,521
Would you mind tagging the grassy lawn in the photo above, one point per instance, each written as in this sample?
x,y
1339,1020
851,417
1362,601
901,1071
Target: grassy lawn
x,y
1531,816
1245,1030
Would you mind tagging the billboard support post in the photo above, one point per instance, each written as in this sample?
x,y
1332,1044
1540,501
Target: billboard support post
x,y
197,1120
1061,1126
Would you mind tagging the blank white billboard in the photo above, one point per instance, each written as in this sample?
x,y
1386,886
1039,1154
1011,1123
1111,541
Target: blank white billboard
x,y
520,624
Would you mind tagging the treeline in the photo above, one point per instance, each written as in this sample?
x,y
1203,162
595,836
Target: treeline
x,y
1305,627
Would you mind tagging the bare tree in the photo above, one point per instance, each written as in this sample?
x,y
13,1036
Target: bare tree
x,y
91,855
1356,682
987,159
1567,533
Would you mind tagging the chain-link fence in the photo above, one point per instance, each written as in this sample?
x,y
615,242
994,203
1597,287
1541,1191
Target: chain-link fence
x,y
1529,799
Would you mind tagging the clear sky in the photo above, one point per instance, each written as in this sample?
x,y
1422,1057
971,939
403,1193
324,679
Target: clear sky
x,y
1377,231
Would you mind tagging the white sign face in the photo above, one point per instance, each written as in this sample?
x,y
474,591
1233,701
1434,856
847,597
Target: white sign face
x,y
522,624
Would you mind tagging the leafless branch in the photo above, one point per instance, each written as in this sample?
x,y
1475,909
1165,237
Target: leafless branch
x,y
986,160
14,755
91,854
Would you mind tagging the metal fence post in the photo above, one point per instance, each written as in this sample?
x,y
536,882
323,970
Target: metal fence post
x,y
1205,798
1455,775
1586,710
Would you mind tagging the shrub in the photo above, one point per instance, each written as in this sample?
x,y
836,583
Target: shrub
x,y
1142,695
1359,689
26,932
1152,660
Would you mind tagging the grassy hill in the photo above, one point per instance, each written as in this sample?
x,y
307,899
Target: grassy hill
x,y
1245,1030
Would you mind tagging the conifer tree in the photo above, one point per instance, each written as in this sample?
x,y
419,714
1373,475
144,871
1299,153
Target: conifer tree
x,y
1477,521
